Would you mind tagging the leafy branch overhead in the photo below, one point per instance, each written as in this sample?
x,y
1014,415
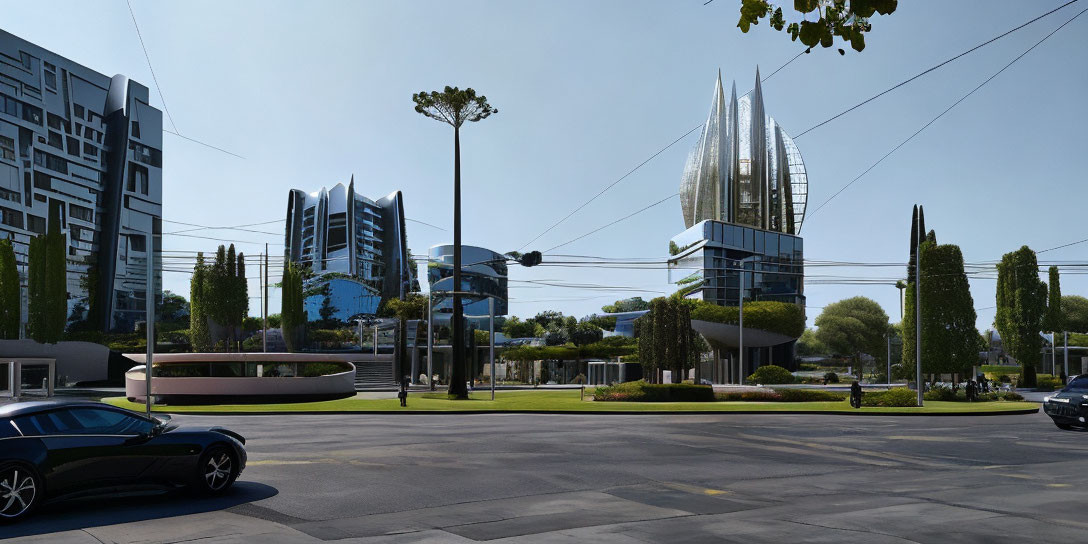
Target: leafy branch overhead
x,y
847,19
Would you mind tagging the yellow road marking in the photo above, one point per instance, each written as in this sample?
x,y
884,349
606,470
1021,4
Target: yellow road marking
x,y
695,489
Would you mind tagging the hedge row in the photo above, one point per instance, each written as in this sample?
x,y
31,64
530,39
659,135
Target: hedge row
x,y
783,395
641,391
780,317
898,396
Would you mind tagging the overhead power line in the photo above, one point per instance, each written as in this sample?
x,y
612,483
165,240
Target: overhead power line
x,y
158,88
948,109
624,218
930,69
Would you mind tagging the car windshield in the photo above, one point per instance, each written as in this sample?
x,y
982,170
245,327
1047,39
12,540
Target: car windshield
x,y
1080,383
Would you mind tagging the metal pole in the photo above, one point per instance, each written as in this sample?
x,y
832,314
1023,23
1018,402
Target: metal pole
x,y
1065,356
889,376
740,368
264,303
918,313
491,340
1053,353
149,303
430,341
375,338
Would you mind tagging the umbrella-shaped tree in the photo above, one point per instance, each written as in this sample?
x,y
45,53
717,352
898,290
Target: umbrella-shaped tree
x,y
455,107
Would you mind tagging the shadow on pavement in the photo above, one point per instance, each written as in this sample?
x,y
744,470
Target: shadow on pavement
x,y
98,511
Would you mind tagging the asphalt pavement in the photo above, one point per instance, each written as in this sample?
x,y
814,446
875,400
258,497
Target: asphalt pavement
x,y
616,478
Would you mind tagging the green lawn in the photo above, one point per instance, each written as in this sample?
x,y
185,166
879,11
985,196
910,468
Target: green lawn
x,y
562,401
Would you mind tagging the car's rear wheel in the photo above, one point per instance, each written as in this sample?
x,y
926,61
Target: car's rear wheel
x,y
1063,426
20,492
217,470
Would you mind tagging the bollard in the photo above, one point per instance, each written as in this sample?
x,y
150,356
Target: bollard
x,y
583,393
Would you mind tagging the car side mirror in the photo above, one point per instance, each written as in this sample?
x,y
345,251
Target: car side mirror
x,y
139,438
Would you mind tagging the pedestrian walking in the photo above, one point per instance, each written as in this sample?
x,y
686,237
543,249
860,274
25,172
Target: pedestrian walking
x,y
855,394
403,393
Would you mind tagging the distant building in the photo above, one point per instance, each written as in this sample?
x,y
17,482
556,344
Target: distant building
x,y
355,247
483,273
88,148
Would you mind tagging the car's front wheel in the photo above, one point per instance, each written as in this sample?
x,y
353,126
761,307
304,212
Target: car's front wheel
x,y
20,492
217,470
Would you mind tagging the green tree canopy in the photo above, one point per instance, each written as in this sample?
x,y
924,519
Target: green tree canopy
x,y
292,314
852,327
516,328
199,336
1075,313
1021,308
949,337
632,304
821,21
809,345
47,283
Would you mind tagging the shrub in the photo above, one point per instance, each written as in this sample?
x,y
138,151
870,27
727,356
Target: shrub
x,y
943,394
808,367
899,396
770,374
831,377
810,395
750,396
1046,382
1012,396
641,391
1004,378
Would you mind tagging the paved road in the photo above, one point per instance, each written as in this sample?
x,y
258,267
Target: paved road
x,y
584,478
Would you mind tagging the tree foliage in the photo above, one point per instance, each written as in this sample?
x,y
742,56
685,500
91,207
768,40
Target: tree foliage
x,y
1021,308
809,345
1075,313
10,305
453,106
199,335
779,317
1055,320
226,293
665,338
47,283
516,328
633,304
949,338
846,19
852,327
292,314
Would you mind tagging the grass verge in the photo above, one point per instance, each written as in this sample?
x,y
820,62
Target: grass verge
x,y
565,401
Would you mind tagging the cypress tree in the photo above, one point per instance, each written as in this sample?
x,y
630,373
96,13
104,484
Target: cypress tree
x,y
1021,309
1054,317
950,340
199,337
47,283
9,292
292,315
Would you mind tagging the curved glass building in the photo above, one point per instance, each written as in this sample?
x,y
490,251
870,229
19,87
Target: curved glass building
x,y
483,273
743,195
356,248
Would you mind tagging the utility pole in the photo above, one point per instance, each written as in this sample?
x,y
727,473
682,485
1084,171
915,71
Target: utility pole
x,y
889,375
1065,356
264,304
740,366
918,313
491,340
149,303
430,340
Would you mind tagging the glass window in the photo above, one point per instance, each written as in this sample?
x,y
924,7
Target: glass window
x,y
759,236
99,421
35,224
771,246
1079,383
11,218
137,243
80,212
51,80
73,146
7,148
278,370
719,234
749,239
135,129
79,111
56,140
226,370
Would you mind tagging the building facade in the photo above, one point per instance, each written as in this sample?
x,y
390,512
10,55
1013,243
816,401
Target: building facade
x,y
86,148
355,247
483,273
743,196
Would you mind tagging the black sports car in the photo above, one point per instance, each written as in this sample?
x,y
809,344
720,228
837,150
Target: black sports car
x,y
51,450
1069,407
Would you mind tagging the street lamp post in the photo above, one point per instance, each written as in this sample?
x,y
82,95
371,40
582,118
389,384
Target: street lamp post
x,y
430,341
491,340
740,366
889,361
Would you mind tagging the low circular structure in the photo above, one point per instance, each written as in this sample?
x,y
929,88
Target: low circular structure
x,y
237,378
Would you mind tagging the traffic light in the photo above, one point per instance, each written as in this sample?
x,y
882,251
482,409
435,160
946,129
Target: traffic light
x,y
531,258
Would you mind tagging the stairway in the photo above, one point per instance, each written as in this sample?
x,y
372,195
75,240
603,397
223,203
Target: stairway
x,y
372,375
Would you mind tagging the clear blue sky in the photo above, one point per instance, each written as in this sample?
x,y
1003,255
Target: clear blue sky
x,y
311,93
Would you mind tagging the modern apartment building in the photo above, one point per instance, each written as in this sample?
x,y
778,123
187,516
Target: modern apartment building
x,y
356,248
88,148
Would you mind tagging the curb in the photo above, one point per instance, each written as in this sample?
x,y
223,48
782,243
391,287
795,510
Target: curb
x,y
1025,411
